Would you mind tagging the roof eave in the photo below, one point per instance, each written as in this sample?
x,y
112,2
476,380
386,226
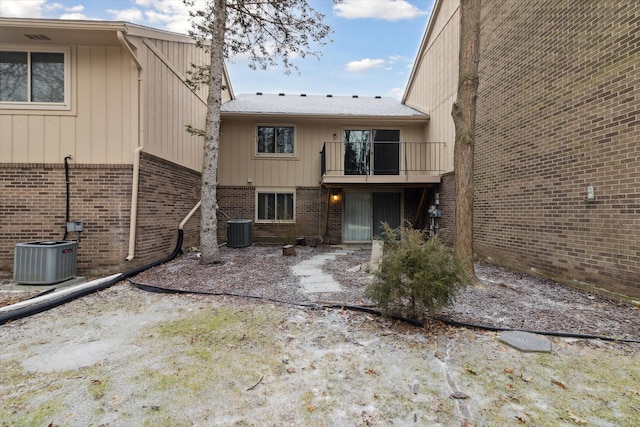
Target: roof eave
x,y
424,118
423,43
93,25
63,24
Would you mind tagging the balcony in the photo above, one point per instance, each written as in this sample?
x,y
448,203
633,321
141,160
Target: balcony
x,y
382,163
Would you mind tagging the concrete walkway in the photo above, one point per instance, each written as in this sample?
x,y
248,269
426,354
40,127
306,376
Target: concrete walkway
x,y
312,278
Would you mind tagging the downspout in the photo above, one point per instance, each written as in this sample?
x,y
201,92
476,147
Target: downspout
x,y
189,215
136,156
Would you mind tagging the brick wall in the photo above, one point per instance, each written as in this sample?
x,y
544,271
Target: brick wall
x,y
33,207
167,192
558,111
311,213
311,207
446,223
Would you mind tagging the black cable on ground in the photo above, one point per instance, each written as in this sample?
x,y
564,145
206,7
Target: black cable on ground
x,y
54,302
161,290
414,322
548,333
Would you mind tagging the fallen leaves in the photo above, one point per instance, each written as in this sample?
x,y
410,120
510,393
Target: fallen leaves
x,y
459,395
559,384
526,379
577,419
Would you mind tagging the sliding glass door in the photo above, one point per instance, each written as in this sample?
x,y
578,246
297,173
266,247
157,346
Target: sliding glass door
x,y
357,152
364,213
357,217
362,146
386,152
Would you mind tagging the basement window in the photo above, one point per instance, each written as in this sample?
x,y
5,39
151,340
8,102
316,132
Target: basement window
x,y
275,206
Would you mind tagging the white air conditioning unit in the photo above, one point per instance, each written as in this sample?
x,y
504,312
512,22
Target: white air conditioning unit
x,y
44,263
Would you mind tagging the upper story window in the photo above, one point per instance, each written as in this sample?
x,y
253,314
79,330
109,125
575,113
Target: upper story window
x,y
34,78
276,140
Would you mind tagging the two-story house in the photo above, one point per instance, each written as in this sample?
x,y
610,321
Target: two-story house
x,y
92,130
329,166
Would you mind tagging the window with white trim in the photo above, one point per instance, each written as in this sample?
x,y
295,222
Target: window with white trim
x,y
275,206
275,140
34,78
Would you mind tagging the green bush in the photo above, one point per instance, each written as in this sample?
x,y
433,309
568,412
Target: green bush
x,y
417,277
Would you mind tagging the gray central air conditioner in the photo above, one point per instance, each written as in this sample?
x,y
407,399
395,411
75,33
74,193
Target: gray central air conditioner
x,y
44,263
238,233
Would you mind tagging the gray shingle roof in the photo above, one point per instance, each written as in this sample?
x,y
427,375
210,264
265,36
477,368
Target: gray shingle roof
x,y
317,105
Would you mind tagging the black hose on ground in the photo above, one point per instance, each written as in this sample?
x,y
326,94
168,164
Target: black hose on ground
x,y
414,322
54,302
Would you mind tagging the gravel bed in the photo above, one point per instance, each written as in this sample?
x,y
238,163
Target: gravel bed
x,y
505,298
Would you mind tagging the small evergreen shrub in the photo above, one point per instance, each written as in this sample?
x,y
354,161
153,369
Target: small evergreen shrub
x,y
417,277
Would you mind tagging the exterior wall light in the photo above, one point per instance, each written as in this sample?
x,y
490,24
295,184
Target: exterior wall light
x,y
335,196
591,195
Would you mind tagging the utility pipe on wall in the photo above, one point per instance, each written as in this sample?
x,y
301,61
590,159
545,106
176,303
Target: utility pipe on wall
x,y
189,215
136,159
66,180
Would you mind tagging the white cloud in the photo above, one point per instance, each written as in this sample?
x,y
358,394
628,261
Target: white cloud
x,y
172,22
390,10
129,15
396,92
364,65
74,9
36,8
52,6
22,9
74,16
171,15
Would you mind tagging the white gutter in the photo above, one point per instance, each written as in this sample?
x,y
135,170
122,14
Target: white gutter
x,y
136,159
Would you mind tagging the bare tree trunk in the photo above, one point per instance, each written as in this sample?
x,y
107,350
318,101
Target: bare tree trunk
x,y
464,117
209,223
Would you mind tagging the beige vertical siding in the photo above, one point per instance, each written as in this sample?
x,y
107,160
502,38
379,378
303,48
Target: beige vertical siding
x,y
433,88
102,125
97,129
238,164
171,104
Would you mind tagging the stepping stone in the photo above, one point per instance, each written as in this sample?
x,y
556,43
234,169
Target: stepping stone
x,y
317,260
355,269
322,283
526,342
340,253
305,270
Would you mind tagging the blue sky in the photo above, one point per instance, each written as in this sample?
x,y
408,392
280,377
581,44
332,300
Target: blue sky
x,y
374,41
